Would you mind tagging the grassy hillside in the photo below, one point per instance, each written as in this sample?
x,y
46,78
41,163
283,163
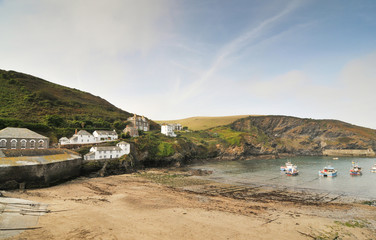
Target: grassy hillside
x,y
54,110
30,98
201,123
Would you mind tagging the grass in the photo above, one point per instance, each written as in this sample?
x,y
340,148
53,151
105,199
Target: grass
x,y
352,223
30,98
202,123
171,179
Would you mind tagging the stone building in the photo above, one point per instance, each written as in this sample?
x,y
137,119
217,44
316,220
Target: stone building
x,y
136,123
140,122
22,138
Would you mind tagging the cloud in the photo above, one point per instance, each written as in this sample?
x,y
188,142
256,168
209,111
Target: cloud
x,y
279,86
64,41
234,46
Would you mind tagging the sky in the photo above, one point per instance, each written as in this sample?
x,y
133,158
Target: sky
x,y
172,59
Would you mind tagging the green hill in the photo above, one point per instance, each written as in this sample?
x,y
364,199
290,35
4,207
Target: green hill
x,y
201,123
51,109
30,98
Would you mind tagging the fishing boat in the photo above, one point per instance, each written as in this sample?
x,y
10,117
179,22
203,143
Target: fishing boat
x,y
355,170
373,168
328,171
293,171
287,166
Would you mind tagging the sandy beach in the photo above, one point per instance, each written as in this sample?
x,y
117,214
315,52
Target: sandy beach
x,y
164,204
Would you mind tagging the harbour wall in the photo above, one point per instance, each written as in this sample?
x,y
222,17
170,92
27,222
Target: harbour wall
x,y
349,152
47,171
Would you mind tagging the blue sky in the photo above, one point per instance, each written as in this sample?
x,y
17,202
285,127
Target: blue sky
x,y
175,59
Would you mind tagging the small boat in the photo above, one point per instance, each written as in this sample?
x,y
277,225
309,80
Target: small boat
x,y
328,172
293,171
373,168
287,166
355,170
335,158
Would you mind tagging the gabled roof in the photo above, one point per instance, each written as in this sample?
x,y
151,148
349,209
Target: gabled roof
x,y
90,153
104,132
11,132
84,132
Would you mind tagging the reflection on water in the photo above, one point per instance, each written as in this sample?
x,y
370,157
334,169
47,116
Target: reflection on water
x,y
266,172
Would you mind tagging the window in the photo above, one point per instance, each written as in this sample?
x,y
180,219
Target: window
x,y
32,144
13,144
40,144
23,144
3,143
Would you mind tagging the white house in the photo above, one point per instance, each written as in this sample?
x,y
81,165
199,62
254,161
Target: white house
x,y
84,137
108,152
81,137
167,130
102,135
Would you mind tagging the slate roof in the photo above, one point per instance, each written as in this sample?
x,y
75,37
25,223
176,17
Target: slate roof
x,y
104,132
11,132
108,148
83,132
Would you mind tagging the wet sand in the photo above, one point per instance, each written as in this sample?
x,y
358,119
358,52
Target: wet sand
x,y
165,204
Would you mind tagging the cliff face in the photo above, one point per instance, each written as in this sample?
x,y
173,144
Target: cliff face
x,y
298,136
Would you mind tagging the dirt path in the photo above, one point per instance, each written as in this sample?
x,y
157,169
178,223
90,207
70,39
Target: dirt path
x,y
135,207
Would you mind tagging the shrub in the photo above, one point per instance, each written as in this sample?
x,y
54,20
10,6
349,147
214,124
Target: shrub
x,y
165,149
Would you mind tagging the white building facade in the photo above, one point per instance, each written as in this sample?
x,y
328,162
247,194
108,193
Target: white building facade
x,y
108,152
103,136
168,130
84,137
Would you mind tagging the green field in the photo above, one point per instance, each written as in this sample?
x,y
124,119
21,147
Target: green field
x,y
202,123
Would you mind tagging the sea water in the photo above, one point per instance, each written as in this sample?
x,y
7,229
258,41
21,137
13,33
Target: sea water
x,y
267,172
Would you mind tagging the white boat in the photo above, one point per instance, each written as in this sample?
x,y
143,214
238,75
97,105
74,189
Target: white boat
x,y
373,168
328,171
288,166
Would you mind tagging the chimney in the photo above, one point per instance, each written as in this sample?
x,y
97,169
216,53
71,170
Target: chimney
x,y
75,132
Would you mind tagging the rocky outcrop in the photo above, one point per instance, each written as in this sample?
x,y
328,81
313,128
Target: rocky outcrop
x,y
299,136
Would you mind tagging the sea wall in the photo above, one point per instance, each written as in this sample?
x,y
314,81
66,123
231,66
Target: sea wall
x,y
349,152
39,175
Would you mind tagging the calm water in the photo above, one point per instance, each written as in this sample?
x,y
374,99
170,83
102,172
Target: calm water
x,y
266,172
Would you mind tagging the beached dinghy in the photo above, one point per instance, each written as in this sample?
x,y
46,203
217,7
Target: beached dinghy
x,y
373,168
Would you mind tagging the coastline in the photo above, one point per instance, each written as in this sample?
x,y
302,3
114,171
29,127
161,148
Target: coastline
x,y
176,204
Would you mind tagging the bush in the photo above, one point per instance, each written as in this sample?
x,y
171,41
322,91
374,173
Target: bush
x,y
165,149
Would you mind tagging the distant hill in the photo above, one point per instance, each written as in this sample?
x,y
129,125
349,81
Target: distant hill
x,y
202,123
302,136
29,98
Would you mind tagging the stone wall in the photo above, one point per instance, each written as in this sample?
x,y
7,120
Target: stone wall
x,y
349,152
39,175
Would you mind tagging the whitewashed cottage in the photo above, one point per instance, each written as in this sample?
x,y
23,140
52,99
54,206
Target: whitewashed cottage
x,y
108,152
81,137
167,130
102,135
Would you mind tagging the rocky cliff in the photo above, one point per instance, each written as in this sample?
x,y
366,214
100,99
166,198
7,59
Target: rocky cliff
x,y
291,135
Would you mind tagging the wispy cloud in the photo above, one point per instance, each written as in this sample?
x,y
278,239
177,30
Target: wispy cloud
x,y
234,46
